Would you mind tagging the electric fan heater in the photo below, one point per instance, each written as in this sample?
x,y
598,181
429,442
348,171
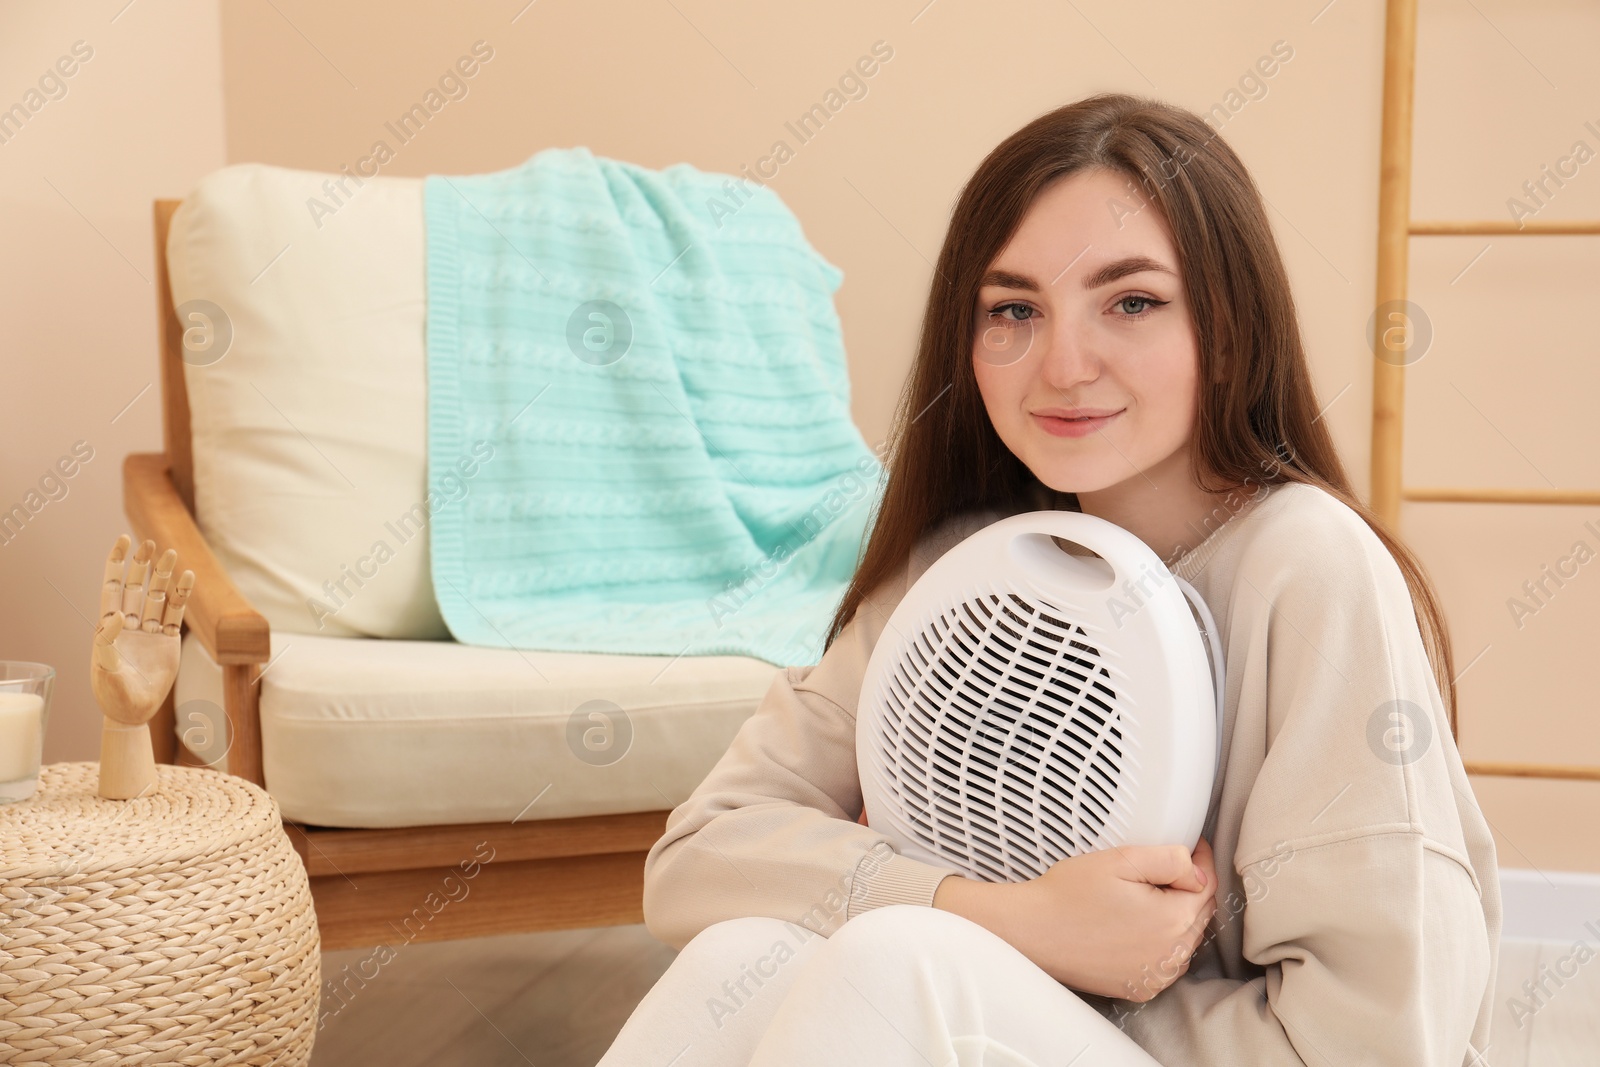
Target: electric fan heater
x,y
1025,704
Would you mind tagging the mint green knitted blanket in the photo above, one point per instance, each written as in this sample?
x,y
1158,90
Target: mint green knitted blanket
x,y
639,433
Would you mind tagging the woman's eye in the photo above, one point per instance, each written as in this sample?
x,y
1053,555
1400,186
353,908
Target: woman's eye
x,y
1001,308
1146,301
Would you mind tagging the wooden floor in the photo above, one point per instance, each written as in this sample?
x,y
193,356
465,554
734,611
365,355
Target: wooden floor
x,y
558,1000
547,999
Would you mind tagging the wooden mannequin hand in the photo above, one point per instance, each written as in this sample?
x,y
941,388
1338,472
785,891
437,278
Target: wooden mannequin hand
x,y
135,659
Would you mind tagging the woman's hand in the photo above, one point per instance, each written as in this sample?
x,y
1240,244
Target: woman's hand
x,y
1120,922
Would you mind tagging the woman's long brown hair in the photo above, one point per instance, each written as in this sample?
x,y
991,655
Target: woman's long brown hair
x,y
1257,418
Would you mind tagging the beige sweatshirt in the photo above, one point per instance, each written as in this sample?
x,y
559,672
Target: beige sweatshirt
x,y
1358,901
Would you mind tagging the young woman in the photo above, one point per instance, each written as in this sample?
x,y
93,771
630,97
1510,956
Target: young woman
x,y
1110,329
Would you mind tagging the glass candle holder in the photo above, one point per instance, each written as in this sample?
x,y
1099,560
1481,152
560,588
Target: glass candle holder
x,y
24,710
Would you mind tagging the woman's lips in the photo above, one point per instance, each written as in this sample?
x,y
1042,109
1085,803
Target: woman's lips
x,y
1073,427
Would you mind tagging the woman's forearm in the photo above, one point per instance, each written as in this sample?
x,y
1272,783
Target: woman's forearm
x,y
991,905
1002,908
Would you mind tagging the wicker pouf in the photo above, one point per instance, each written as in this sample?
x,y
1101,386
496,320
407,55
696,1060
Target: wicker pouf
x,y
174,928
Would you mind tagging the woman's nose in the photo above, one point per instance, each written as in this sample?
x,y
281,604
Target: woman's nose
x,y
1066,357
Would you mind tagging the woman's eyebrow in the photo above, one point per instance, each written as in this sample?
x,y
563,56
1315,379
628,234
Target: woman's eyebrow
x,y
1105,275
1009,280
1121,268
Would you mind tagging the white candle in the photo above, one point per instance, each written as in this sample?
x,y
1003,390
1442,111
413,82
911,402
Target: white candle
x,y
21,720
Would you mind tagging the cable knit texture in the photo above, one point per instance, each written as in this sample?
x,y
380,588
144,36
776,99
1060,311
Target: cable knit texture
x,y
638,414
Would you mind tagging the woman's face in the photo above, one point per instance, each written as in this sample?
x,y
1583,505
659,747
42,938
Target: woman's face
x,y
1083,313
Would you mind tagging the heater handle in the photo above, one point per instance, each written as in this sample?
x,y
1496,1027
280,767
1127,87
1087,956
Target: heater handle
x,y
1122,555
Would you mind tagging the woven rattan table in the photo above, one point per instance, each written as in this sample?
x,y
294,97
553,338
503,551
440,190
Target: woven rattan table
x,y
173,928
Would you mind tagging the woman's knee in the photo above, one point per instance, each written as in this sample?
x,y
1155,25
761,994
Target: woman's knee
x,y
895,931
738,938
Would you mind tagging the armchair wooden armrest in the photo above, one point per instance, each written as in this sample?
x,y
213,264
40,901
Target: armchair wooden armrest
x,y
231,630
234,633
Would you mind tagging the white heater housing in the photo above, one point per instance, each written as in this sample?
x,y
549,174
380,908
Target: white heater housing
x,y
1025,704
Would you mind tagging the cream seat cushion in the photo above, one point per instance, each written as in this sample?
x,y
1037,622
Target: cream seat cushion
x,y
373,733
310,432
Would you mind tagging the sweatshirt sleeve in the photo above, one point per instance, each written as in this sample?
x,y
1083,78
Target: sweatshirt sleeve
x,y
1372,936
772,831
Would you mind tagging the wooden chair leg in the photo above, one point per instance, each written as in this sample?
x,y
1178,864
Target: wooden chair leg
x,y
241,695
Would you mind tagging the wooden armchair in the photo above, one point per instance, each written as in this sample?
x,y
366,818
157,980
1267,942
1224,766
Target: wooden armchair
x,y
544,875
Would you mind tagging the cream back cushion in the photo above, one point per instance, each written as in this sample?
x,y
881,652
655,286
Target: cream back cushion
x,y
310,430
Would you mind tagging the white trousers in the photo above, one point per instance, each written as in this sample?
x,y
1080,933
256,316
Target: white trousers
x,y
901,984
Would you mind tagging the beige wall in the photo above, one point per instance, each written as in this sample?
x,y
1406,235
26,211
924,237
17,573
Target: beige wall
x,y
1507,397
140,118
1503,396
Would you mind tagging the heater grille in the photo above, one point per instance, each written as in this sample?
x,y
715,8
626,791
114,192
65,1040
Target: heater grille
x,y
1001,739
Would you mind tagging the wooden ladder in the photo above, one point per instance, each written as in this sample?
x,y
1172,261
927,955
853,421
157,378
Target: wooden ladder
x,y
1395,230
